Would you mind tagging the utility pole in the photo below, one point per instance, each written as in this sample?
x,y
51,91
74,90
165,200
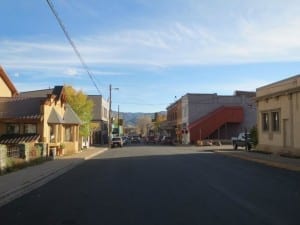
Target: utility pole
x,y
109,118
118,120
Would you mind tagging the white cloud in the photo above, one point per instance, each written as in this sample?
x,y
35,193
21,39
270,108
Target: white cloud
x,y
262,34
71,72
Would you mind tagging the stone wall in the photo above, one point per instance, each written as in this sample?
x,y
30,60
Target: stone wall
x,y
3,157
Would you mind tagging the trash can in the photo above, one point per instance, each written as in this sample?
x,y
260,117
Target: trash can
x,y
53,152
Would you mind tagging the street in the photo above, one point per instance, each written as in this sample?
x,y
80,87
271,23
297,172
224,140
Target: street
x,y
141,185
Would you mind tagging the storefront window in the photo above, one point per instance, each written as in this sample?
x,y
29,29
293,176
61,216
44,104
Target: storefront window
x,y
265,121
13,128
68,133
30,128
275,121
51,133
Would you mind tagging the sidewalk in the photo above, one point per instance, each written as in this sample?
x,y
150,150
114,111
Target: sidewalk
x,y
267,159
16,184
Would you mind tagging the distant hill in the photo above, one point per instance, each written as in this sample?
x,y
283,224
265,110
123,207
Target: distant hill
x,y
132,118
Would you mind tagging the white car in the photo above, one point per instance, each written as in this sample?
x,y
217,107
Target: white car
x,y
117,141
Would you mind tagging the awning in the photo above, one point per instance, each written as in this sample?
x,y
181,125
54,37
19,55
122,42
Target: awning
x,y
18,138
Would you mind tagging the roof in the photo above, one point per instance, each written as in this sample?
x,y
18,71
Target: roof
x,y
69,117
282,87
18,138
37,93
57,91
54,117
8,82
20,108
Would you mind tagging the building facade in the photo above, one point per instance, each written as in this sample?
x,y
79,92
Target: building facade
x,y
7,88
37,117
174,120
210,116
278,119
99,133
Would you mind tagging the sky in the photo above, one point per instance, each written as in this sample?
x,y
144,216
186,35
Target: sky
x,y
152,51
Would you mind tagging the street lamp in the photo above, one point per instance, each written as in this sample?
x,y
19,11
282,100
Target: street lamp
x,y
109,115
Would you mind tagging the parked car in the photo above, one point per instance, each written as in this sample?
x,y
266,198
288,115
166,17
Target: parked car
x,y
117,141
151,140
243,140
135,139
125,140
166,140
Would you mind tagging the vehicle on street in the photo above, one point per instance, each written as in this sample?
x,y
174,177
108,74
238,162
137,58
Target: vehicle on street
x,y
117,142
243,140
135,139
125,140
166,140
151,140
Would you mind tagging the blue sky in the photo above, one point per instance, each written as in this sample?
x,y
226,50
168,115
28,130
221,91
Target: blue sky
x,y
152,50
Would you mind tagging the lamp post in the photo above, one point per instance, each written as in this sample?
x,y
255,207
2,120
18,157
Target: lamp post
x,y
109,116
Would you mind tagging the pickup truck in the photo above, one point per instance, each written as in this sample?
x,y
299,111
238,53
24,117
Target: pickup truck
x,y
243,140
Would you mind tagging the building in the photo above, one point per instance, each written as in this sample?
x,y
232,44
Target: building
x,y
278,116
6,86
99,134
43,117
209,116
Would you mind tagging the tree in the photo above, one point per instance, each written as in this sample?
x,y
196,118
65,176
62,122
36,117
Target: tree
x,y
158,120
144,123
82,106
254,136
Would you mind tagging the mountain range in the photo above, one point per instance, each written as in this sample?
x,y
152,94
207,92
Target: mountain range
x,y
131,119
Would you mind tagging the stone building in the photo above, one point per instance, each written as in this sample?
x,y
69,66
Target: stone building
x,y
278,116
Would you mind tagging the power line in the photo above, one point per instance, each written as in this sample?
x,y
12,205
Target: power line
x,y
84,65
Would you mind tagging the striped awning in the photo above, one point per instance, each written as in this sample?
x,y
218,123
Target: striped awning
x,y
18,138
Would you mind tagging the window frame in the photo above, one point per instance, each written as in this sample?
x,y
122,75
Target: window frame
x,y
33,125
68,134
16,125
275,123
265,121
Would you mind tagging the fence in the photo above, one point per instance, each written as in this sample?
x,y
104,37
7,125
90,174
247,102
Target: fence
x,y
20,153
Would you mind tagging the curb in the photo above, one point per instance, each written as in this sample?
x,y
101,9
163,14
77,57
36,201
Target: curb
x,y
265,162
95,154
18,192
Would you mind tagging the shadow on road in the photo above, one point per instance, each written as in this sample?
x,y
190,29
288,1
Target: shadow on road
x,y
151,186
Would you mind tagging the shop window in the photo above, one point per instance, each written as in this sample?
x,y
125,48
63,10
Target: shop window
x,y
13,128
265,121
52,133
30,128
13,151
275,121
68,133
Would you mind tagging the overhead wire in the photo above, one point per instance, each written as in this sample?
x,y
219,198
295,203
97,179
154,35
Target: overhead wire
x,y
84,65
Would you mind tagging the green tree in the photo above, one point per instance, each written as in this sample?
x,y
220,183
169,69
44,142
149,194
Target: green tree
x,y
158,120
82,106
254,135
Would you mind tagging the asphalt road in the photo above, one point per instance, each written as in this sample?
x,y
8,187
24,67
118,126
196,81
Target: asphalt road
x,y
162,185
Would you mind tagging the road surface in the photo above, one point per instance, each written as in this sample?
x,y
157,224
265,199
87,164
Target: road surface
x,y
143,185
